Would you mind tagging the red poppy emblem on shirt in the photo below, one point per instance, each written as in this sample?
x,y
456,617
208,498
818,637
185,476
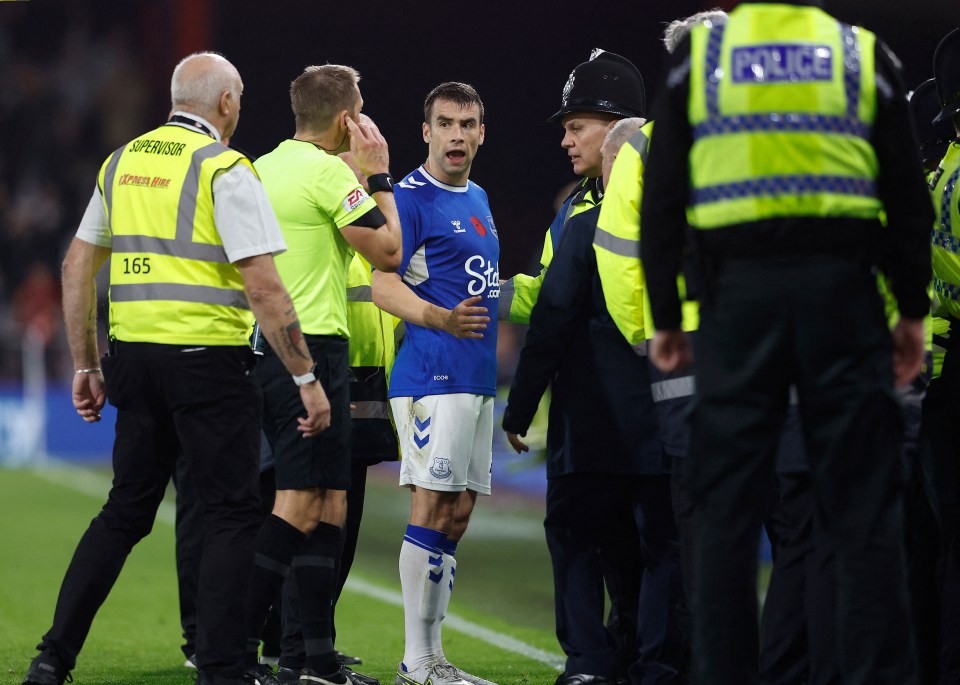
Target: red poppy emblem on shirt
x,y
481,229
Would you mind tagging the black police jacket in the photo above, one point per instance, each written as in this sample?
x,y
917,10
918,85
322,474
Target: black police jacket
x,y
602,417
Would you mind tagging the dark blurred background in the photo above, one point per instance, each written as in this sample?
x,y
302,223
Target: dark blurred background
x,y
79,78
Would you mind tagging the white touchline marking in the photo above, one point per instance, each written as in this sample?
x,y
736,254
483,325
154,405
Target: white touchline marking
x,y
93,484
462,625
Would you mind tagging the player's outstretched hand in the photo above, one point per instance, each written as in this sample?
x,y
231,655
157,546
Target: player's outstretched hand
x,y
368,148
466,320
318,410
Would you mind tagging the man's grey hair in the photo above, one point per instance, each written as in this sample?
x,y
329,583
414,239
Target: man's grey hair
x,y
620,133
200,89
677,30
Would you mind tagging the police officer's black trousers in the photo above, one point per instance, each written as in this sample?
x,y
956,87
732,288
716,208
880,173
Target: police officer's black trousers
x,y
798,625
593,514
941,409
817,323
189,552
188,530
203,404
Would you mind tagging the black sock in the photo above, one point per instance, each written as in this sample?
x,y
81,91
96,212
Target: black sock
x,y
315,572
276,544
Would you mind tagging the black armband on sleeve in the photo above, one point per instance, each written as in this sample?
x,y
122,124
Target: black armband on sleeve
x,y
372,219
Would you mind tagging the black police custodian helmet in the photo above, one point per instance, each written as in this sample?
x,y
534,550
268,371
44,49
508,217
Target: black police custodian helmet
x,y
934,138
605,83
946,70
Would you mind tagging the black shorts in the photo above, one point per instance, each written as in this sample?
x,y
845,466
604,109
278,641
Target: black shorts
x,y
322,461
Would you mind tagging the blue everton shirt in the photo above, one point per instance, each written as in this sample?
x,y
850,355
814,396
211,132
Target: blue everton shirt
x,y
450,252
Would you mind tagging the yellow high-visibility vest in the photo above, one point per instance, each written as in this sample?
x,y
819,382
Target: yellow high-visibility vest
x,y
782,100
170,279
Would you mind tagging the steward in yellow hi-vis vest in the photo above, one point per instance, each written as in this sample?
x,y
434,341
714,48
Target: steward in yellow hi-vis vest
x,y
617,246
783,139
189,231
372,351
617,240
170,279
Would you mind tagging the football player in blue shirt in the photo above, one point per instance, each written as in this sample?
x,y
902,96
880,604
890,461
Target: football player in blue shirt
x,y
444,380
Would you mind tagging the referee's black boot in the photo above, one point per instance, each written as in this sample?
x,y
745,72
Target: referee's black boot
x,y
261,674
46,669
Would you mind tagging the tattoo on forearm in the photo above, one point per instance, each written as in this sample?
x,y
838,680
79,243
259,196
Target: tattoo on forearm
x,y
294,339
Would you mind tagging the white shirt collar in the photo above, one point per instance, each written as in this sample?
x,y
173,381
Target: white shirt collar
x,y
441,184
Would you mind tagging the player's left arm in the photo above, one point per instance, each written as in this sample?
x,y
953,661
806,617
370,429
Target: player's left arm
x,y
392,295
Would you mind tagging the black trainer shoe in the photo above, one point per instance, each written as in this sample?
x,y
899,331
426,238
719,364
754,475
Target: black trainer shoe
x,y
342,677
261,674
45,669
288,675
346,660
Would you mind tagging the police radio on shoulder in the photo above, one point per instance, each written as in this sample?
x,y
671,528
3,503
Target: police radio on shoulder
x,y
380,183
308,377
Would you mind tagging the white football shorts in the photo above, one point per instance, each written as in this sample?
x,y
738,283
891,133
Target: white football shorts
x,y
446,441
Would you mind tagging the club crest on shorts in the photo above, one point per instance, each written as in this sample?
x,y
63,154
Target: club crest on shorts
x,y
441,468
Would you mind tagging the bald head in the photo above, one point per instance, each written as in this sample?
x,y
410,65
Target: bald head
x,y
200,80
618,134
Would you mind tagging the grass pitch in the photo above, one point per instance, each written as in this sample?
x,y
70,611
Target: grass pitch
x,y
504,589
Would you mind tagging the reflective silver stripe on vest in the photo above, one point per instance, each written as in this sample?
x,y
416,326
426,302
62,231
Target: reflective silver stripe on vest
x,y
205,294
782,122
947,241
203,252
639,142
713,71
672,389
399,331
942,288
182,246
946,218
773,186
360,293
505,303
108,175
946,289
640,348
187,209
369,410
851,68
624,247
